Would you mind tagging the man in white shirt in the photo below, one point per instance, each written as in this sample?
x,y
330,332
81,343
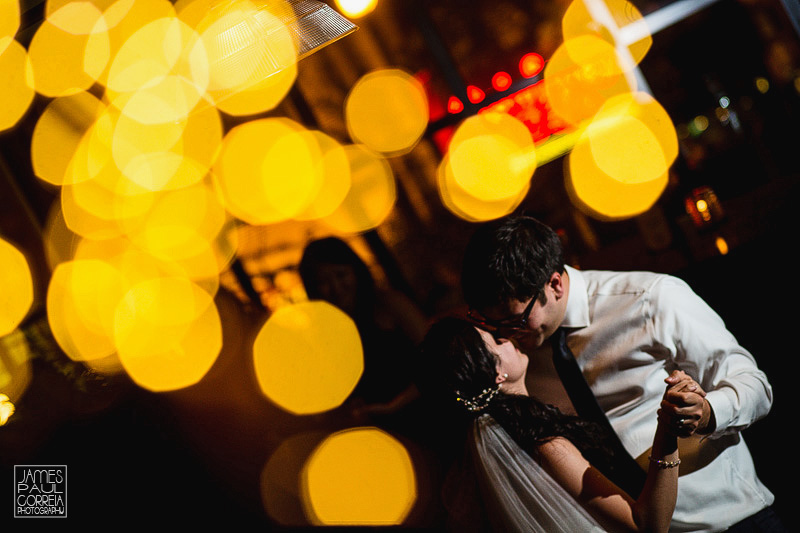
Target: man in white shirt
x,y
628,332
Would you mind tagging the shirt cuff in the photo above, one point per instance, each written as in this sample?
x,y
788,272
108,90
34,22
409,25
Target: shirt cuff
x,y
722,402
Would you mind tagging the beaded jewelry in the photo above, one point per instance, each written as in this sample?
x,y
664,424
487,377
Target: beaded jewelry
x,y
664,464
479,402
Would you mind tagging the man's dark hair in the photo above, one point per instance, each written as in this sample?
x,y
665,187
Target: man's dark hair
x,y
509,258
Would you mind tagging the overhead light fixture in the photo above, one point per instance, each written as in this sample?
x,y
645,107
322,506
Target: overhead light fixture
x,y
315,25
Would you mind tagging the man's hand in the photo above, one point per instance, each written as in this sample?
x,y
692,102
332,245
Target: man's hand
x,y
685,406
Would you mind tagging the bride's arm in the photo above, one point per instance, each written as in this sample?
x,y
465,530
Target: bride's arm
x,y
612,507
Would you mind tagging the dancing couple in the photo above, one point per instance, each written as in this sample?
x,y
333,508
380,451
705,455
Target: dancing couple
x,y
646,438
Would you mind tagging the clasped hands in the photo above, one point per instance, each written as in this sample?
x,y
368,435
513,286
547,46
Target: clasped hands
x,y
684,409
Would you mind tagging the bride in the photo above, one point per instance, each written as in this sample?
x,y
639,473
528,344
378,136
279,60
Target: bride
x,y
536,469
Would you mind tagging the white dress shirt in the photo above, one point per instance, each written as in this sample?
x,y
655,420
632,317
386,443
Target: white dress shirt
x,y
631,330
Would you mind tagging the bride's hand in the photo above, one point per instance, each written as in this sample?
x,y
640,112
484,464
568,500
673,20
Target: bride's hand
x,y
683,404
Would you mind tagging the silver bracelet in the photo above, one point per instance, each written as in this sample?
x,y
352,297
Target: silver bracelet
x,y
664,464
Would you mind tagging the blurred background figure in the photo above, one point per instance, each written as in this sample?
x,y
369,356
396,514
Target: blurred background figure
x,y
391,326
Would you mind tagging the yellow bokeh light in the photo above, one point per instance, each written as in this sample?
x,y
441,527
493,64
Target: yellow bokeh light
x,y
92,157
470,208
360,476
109,199
620,145
16,90
492,156
81,299
6,409
722,245
268,170
183,227
81,219
281,491
387,111
371,196
61,129
123,18
258,97
16,368
246,42
78,18
9,22
167,332
168,155
581,75
17,295
356,8
308,357
602,196
161,72
620,164
59,241
137,265
66,63
81,17
259,91
336,179
632,138
577,21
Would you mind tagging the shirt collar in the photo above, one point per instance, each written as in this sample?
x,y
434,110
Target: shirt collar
x,y
577,313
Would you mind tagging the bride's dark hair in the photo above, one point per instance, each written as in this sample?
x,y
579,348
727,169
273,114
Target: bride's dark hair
x,y
463,367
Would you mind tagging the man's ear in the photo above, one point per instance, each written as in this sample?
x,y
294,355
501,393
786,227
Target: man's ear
x,y
557,284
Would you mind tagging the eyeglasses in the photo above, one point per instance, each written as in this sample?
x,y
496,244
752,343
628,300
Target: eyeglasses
x,y
506,328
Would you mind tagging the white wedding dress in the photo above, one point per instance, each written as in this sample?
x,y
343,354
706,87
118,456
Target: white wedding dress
x,y
517,493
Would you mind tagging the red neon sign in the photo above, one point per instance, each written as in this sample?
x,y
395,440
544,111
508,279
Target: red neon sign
x,y
475,94
531,64
530,106
501,81
454,105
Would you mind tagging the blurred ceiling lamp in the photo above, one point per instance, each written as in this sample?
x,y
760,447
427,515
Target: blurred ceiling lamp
x,y
356,8
315,25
